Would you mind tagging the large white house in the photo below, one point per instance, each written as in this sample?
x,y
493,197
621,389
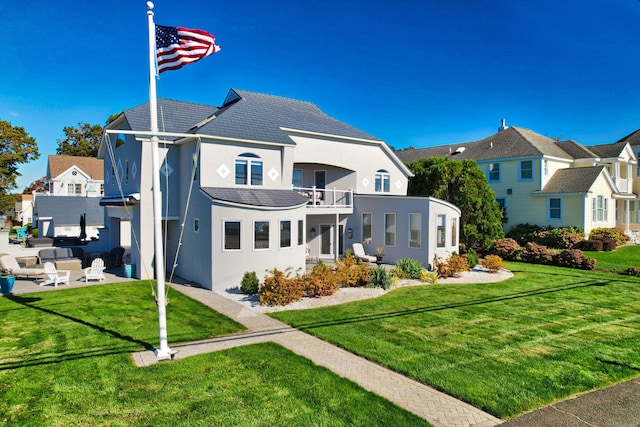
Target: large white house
x,y
263,182
539,180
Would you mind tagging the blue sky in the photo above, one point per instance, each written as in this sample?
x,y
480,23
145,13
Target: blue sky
x,y
414,73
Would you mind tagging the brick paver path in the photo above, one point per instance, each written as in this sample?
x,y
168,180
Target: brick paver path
x,y
437,408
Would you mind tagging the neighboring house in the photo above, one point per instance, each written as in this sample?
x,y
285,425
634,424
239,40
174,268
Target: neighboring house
x,y
60,216
263,182
24,208
75,176
539,180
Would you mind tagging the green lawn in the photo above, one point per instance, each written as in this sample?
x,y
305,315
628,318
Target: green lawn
x,y
65,360
509,347
620,259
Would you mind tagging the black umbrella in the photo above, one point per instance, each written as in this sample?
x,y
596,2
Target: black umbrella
x,y
83,226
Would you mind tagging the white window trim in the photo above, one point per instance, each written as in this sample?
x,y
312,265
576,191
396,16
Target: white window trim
x,y
605,209
280,234
395,231
300,233
444,228
362,228
250,161
253,236
420,229
382,174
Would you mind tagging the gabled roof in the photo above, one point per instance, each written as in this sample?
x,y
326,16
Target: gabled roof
x,y
576,150
66,210
257,197
90,165
633,138
572,180
606,151
244,115
512,142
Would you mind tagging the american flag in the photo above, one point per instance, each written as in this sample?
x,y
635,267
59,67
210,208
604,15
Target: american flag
x,y
177,46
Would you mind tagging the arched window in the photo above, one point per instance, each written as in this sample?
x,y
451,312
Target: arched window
x,y
248,169
382,181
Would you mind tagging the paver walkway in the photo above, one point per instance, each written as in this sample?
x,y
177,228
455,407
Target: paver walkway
x,y
437,408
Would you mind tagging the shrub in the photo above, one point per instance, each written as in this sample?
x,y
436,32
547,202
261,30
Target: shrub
x,y
574,258
458,264
429,277
609,233
508,249
411,268
380,278
350,272
560,238
536,254
320,282
590,245
279,288
632,271
588,263
441,267
524,233
608,245
472,258
250,283
493,263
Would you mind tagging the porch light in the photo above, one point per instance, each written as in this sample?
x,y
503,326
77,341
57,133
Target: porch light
x,y
312,233
349,233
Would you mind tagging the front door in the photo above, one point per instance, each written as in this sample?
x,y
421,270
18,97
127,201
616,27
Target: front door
x,y
326,239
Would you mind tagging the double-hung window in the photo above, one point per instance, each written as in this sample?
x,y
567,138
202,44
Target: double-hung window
x,y
367,217
390,229
494,172
248,169
415,230
600,209
441,237
526,170
382,181
555,209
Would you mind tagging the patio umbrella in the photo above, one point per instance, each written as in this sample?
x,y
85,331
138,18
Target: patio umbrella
x,y
83,226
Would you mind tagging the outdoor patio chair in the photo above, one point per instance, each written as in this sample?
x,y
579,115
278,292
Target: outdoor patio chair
x,y
358,252
55,276
21,233
9,262
95,271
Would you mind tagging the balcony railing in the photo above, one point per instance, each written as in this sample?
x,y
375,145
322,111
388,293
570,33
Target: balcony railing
x,y
623,185
322,198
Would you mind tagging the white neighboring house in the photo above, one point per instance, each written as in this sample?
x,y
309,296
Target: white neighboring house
x,y
263,182
23,208
538,180
75,176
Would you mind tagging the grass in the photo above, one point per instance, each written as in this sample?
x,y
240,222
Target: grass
x,y
509,347
65,360
618,260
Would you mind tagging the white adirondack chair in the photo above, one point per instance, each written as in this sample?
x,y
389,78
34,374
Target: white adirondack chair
x,y
55,276
95,271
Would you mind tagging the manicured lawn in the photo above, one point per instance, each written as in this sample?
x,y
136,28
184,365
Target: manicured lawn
x,y
509,347
65,360
620,259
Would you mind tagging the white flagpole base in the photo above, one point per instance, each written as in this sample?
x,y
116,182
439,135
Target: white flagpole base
x,y
165,354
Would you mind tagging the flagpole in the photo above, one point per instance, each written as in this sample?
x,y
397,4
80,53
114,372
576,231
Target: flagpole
x,y
164,352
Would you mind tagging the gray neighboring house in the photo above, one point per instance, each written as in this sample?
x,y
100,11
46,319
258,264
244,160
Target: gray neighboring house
x,y
263,182
59,216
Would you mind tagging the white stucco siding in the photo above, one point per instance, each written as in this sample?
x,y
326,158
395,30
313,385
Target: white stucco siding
x,y
362,157
228,266
218,159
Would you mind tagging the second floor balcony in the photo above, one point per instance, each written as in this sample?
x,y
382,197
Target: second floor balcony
x,y
327,200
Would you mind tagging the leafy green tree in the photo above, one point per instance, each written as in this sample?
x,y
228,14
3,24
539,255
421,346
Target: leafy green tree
x,y
7,202
83,140
465,185
16,148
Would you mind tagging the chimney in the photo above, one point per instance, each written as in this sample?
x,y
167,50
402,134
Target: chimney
x,y
503,126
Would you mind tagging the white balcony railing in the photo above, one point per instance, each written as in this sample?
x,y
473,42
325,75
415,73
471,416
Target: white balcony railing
x,y
326,197
623,185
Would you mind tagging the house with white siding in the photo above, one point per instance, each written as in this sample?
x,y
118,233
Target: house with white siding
x,y
542,181
262,182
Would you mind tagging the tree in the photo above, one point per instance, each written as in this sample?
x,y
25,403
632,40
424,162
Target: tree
x,y
83,140
39,186
463,184
16,147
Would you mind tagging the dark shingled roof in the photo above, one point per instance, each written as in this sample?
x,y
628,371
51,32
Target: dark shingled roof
x,y
244,115
66,210
509,143
257,197
576,150
608,150
572,180
633,138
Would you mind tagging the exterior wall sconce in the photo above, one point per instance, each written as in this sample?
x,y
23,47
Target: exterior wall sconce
x,y
312,233
349,233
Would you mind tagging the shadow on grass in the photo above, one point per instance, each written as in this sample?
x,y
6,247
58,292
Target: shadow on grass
x,y
475,302
56,358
